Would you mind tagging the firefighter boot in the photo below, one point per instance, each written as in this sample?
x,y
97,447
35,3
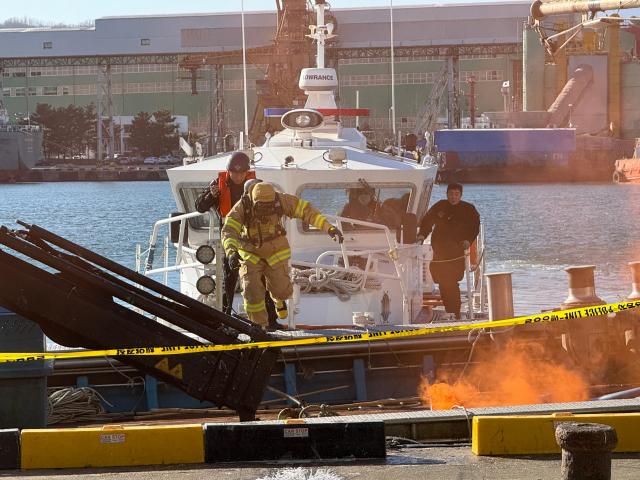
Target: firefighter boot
x,y
281,309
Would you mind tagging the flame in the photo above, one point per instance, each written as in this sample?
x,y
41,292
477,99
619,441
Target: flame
x,y
514,375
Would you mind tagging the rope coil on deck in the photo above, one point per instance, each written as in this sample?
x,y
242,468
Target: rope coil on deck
x,y
75,404
343,284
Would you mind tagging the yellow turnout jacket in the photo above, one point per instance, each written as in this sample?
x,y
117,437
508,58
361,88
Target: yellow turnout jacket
x,y
256,241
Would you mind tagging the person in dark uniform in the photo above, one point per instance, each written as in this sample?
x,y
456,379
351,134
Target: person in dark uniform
x,y
362,204
455,226
221,195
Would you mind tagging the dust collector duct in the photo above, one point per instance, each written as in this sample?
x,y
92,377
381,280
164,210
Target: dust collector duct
x,y
540,9
570,95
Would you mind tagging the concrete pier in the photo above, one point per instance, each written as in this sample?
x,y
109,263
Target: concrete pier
x,y
89,173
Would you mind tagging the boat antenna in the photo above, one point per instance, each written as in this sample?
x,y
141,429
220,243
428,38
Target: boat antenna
x,y
244,82
393,71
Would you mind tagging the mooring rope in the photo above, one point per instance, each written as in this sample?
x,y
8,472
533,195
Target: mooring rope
x,y
76,404
343,284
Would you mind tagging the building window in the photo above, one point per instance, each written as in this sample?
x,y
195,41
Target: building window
x,y
145,42
47,45
6,92
21,92
50,91
35,73
19,74
31,91
65,90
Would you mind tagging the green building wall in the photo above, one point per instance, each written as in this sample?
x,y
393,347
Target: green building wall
x,y
414,82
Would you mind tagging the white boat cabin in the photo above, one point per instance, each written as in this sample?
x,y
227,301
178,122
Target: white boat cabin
x,y
379,274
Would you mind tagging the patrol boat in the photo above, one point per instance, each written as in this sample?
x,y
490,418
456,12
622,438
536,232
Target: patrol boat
x,y
376,280
379,275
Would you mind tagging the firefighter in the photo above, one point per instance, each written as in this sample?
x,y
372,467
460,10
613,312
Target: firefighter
x,y
255,242
222,194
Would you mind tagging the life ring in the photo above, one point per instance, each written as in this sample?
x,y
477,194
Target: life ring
x,y
618,177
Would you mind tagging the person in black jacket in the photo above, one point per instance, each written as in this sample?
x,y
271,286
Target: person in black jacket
x,y
221,195
455,226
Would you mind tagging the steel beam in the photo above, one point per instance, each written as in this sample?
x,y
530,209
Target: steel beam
x,y
259,55
426,51
90,60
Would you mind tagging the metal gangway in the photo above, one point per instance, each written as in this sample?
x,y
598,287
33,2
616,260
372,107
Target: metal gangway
x,y
81,299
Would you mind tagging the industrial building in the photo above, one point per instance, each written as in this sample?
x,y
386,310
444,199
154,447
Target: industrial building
x,y
130,64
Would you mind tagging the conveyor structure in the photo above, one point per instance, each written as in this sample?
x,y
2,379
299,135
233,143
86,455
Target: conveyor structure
x,y
84,300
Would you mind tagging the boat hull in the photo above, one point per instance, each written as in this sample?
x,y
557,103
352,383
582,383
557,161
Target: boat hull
x,y
527,156
20,150
627,170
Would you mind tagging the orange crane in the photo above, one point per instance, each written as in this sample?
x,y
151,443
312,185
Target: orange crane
x,y
290,51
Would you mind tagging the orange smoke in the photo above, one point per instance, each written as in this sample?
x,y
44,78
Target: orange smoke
x,y
515,375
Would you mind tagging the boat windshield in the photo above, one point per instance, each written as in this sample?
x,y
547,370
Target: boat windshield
x,y
384,204
361,201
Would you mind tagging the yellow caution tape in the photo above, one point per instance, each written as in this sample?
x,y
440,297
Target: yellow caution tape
x,y
547,317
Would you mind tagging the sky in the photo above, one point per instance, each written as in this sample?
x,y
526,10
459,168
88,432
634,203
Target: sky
x,y
76,11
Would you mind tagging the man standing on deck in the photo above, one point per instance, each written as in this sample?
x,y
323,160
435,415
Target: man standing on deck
x,y
222,194
255,241
455,226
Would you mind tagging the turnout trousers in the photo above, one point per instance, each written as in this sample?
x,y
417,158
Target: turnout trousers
x,y
254,276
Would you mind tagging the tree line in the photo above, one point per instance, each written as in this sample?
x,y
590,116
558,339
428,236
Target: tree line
x,y
72,131
67,131
27,22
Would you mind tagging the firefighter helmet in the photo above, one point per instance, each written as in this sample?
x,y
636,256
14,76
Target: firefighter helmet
x,y
249,184
263,192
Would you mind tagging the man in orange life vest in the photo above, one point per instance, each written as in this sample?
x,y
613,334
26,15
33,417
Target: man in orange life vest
x,y
222,194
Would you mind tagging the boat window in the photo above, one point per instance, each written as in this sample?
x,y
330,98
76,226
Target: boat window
x,y
423,200
188,197
361,201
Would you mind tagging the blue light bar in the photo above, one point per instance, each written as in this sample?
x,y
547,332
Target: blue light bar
x,y
276,112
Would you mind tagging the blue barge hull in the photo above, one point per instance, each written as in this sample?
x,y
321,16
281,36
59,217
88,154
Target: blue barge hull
x,y
520,155
506,147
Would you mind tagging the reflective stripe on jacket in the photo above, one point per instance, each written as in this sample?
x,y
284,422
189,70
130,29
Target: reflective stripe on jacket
x,y
235,231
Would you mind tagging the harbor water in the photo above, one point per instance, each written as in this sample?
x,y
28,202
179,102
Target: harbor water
x,y
533,231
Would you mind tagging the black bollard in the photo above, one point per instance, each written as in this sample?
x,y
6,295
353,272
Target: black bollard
x,y
586,450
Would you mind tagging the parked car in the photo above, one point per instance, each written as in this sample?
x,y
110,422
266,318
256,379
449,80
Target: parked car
x,y
151,161
166,159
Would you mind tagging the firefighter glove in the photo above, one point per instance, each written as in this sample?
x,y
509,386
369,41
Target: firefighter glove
x,y
215,190
234,261
465,244
336,235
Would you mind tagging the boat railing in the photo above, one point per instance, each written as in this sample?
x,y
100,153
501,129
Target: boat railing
x,y
145,259
479,288
390,252
153,240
